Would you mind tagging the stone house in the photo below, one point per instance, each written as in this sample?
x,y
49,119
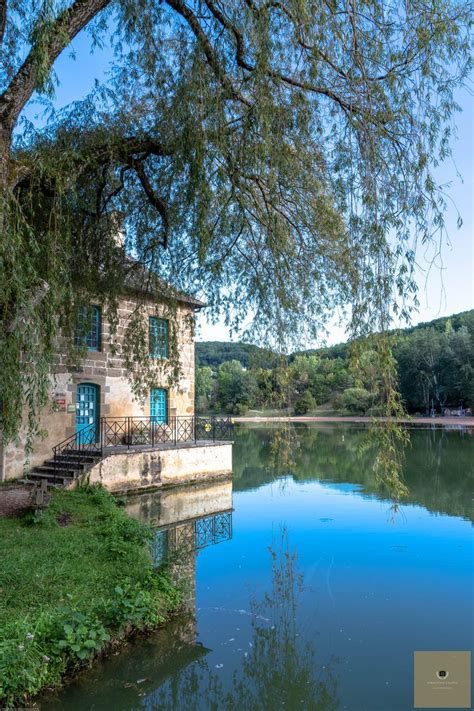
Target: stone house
x,y
99,387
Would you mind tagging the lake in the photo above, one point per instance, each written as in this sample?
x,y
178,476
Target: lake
x,y
308,589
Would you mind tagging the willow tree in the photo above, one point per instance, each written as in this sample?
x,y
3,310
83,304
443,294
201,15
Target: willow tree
x,y
275,155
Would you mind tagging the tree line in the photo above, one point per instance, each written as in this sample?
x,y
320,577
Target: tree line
x,y
434,361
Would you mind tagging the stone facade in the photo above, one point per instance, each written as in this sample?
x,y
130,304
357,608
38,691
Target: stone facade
x,y
105,368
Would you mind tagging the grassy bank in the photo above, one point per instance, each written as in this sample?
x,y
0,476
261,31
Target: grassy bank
x,y
72,582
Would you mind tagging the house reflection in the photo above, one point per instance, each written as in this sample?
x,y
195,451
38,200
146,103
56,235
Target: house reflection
x,y
185,520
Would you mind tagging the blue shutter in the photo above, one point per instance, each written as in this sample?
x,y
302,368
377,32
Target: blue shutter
x,y
159,405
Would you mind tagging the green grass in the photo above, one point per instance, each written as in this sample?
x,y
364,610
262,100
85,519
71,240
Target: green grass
x,y
72,581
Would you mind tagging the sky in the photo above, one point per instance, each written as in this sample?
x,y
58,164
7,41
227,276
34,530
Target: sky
x,y
446,286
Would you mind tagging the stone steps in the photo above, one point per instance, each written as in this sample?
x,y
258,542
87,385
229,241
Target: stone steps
x,y
59,480
75,458
73,464
65,469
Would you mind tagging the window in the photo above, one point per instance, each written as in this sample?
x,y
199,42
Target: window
x,y
158,337
88,328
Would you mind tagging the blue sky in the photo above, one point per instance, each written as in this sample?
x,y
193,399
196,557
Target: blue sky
x,y
445,288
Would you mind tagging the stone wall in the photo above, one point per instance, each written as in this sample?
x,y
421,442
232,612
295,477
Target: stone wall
x,y
105,368
134,470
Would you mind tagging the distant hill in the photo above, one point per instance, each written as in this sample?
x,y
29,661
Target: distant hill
x,y
464,318
213,353
340,350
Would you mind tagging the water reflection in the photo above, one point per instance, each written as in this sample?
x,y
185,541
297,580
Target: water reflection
x,y
185,519
284,447
191,536
126,677
438,469
280,668
258,635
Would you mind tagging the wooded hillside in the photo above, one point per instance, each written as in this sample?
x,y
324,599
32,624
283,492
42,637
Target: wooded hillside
x,y
435,363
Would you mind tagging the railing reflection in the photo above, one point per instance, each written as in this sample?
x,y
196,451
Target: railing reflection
x,y
191,536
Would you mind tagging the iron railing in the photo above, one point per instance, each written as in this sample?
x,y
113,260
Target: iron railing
x,y
138,431
79,446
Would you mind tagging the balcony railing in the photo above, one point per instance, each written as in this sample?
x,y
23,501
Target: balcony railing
x,y
136,431
89,444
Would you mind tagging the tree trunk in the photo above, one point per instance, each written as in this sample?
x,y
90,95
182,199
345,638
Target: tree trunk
x,y
5,145
21,87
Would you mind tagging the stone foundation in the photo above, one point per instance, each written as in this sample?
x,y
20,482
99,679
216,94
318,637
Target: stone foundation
x,y
132,470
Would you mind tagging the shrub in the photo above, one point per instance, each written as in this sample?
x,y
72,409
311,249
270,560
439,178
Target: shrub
x,y
356,400
305,403
80,636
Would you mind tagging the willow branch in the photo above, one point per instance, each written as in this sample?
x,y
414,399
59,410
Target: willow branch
x,y
118,151
152,196
36,295
288,80
60,32
208,50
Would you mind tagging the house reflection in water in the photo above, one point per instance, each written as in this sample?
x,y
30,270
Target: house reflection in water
x,y
185,520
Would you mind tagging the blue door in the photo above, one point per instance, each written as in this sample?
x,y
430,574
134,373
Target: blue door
x,y
159,405
87,413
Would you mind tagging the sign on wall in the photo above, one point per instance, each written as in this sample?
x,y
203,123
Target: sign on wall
x,y
59,402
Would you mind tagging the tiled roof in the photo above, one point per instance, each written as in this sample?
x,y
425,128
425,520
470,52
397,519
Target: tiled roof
x,y
140,278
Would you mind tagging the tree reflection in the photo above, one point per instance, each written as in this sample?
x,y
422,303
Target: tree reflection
x,y
438,468
281,668
284,448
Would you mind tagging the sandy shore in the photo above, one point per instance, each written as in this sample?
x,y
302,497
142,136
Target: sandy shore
x,y
440,421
